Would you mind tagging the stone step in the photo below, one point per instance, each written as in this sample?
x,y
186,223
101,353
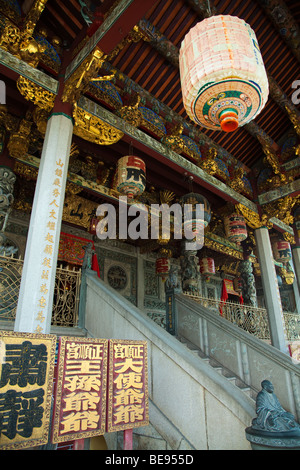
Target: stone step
x,y
219,368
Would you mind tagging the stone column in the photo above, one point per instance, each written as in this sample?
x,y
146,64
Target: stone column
x,y
34,309
271,289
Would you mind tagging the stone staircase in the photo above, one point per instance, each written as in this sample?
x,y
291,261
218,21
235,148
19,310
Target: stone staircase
x,y
230,376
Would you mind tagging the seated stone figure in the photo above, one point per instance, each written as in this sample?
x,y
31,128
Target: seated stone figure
x,y
271,416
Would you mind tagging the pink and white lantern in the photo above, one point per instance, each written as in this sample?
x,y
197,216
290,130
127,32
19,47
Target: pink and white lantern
x,y
282,251
207,266
235,228
223,78
130,178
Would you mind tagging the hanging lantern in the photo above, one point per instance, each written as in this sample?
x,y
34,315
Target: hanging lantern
x,y
207,266
162,267
192,221
235,228
131,176
223,78
282,251
93,225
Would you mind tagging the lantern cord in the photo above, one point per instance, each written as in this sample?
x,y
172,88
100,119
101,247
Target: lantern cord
x,y
130,149
208,7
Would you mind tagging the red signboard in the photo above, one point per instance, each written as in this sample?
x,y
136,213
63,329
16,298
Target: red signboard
x,y
80,397
26,382
127,385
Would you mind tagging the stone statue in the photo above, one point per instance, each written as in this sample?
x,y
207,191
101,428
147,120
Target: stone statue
x,y
274,427
172,281
271,416
87,260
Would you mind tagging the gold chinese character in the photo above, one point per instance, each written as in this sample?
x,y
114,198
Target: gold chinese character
x,y
60,163
48,249
46,262
131,413
49,238
55,192
81,401
42,302
129,363
83,382
53,203
58,172
45,274
51,225
81,421
56,182
128,380
128,397
38,329
52,214
44,289
40,317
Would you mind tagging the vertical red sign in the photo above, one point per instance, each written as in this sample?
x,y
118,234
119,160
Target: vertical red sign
x,y
80,397
26,382
128,385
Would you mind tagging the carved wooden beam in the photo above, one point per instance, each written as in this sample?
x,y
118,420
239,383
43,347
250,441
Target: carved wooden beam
x,y
115,27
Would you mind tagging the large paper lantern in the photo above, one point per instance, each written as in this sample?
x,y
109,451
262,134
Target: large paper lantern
x,y
207,266
282,251
223,78
131,176
235,228
191,220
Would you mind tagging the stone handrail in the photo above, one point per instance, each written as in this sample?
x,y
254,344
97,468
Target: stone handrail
x,y
248,357
249,318
187,396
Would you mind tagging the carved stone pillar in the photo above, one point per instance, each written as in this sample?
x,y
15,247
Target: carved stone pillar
x,y
35,302
190,272
248,283
7,181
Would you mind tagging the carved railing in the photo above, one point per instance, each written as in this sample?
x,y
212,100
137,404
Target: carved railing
x,y
251,319
66,292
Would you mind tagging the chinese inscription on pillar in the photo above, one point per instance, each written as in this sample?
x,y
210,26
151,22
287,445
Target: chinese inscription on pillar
x,y
48,251
80,398
26,381
128,385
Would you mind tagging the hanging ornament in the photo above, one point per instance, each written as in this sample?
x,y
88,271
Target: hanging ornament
x,y
223,78
282,251
93,225
207,266
162,266
131,176
192,221
235,228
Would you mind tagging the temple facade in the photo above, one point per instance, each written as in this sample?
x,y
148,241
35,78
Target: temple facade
x,y
99,160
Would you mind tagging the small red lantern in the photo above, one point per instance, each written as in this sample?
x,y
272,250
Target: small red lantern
x,y
93,225
162,267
